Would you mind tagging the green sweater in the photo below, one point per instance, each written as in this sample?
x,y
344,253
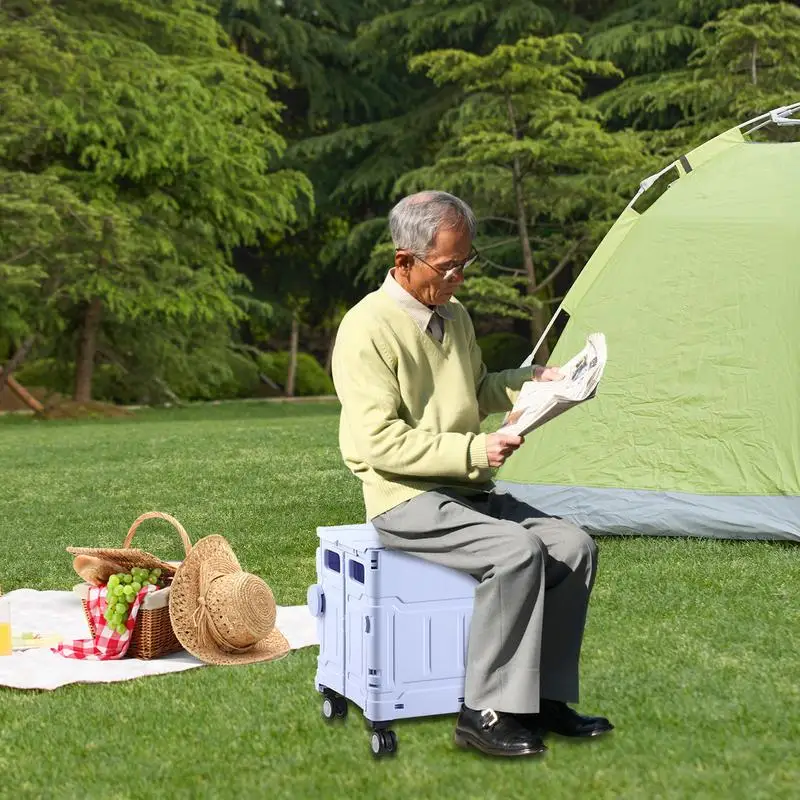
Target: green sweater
x,y
411,407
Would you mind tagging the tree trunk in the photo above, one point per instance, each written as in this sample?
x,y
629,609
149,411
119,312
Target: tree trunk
x,y
753,64
290,378
540,316
24,395
87,348
16,361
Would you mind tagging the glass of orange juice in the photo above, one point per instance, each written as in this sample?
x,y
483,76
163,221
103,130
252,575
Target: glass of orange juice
x,y
5,626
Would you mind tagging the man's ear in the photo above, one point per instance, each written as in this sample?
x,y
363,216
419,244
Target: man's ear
x,y
403,260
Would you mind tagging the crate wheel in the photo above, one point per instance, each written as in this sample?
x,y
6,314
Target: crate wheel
x,y
383,742
328,710
340,707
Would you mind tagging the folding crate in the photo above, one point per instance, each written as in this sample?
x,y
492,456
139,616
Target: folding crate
x,y
393,631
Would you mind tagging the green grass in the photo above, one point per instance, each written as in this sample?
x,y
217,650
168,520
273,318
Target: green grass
x,y
691,646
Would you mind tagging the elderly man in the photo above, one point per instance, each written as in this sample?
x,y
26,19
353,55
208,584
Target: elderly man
x,y
413,389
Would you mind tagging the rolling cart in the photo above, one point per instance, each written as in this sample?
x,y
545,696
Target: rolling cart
x,y
393,632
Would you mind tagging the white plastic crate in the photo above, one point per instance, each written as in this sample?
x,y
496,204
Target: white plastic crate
x,y
393,631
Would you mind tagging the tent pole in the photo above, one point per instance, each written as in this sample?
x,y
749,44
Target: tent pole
x,y
529,360
770,116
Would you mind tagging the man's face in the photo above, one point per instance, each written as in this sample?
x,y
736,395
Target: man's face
x,y
426,282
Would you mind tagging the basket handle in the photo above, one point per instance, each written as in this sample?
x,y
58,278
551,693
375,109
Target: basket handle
x,y
187,545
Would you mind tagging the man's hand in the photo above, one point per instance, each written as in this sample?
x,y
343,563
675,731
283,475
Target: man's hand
x,y
499,446
547,373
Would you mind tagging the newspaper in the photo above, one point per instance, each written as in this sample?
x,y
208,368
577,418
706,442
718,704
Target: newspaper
x,y
541,401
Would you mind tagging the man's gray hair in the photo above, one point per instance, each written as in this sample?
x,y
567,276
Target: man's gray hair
x,y
416,219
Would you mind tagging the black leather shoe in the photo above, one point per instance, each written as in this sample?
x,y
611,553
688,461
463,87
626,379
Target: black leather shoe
x,y
496,734
559,718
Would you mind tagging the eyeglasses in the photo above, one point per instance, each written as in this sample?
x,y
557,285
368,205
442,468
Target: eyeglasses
x,y
456,268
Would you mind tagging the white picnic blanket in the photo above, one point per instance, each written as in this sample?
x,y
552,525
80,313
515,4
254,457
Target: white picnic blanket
x,y
61,613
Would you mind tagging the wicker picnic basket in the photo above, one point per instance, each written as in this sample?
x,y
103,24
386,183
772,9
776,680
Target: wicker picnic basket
x,y
152,635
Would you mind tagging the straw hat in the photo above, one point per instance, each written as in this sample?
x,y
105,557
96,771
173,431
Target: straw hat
x,y
220,613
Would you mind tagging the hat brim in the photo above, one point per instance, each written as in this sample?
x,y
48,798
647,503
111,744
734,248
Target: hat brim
x,y
184,592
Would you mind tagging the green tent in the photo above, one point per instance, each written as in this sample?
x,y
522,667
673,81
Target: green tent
x,y
695,429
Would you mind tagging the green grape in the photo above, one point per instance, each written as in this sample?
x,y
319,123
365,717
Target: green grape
x,y
122,589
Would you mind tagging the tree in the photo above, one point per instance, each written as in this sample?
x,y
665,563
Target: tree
x,y
694,67
356,166
327,87
748,63
532,158
166,134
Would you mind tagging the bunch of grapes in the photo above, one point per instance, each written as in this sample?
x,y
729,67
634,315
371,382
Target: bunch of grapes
x,y
121,590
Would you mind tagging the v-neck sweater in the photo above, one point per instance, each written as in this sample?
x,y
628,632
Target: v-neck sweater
x,y
412,406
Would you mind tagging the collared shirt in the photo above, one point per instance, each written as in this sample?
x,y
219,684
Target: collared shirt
x,y
430,320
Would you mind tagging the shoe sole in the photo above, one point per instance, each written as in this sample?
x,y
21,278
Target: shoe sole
x,y
466,741
589,735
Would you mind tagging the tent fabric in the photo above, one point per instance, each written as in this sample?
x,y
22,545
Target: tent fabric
x,y
624,512
698,297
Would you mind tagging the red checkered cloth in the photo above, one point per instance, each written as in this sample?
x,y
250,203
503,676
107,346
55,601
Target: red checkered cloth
x,y
107,643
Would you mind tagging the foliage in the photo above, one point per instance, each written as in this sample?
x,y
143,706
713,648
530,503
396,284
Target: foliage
x,y
533,159
748,63
207,376
173,186
311,378
358,164
696,67
163,133
503,350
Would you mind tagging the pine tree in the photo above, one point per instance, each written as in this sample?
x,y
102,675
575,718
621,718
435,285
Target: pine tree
x,y
166,137
327,87
532,159
361,162
694,67
748,63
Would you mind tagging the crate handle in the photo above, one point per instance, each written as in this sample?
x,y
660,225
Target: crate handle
x,y
187,545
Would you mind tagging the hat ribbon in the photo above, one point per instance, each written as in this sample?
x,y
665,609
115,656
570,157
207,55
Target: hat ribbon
x,y
207,631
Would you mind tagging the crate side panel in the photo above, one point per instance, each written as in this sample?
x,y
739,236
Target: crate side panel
x,y
331,625
411,579
358,632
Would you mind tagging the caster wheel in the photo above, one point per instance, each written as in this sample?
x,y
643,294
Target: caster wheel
x,y
340,707
383,743
328,710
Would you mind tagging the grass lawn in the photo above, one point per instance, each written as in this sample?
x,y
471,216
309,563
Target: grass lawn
x,y
691,647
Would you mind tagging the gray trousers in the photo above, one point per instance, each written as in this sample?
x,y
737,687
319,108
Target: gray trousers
x,y
536,575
